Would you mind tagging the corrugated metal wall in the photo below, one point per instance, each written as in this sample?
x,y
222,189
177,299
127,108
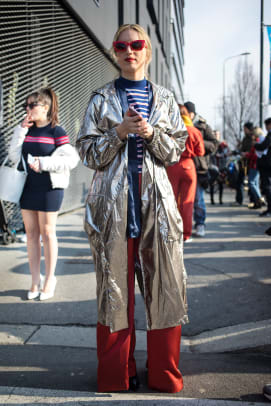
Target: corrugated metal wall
x,y
42,44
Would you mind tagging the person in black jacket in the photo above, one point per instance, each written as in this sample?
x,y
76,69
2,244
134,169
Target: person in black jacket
x,y
244,146
202,164
264,166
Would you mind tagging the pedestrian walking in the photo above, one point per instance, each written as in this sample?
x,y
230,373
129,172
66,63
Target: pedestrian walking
x,y
45,146
202,164
183,175
131,131
253,172
260,136
244,146
264,164
219,161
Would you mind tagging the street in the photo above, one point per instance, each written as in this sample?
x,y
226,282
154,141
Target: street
x,y
225,353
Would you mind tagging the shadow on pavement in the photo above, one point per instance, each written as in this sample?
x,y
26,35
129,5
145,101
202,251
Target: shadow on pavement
x,y
75,369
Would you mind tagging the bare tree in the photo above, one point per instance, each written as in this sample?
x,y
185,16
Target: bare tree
x,y
242,102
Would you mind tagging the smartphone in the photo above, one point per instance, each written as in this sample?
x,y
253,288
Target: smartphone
x,y
30,159
132,112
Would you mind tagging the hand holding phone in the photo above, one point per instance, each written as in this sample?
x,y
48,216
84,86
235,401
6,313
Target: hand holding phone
x,y
34,163
132,112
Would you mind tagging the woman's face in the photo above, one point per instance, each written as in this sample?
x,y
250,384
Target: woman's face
x,y
132,63
36,110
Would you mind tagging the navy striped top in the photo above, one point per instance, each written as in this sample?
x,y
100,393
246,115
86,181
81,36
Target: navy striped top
x,y
138,98
42,141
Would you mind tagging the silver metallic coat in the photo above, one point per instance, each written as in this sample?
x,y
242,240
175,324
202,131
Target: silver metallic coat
x,y
161,273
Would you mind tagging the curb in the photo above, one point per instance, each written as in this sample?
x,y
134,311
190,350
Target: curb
x,y
228,339
34,396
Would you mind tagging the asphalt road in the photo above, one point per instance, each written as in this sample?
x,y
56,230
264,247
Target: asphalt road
x,y
229,285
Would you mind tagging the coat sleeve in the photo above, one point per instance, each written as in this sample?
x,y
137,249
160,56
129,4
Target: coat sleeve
x,y
199,148
97,147
265,144
210,141
15,148
63,159
167,146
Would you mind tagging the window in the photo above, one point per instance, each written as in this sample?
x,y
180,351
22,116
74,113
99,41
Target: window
x,y
156,65
149,34
137,11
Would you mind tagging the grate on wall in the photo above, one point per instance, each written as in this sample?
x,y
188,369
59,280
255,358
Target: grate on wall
x,y
42,44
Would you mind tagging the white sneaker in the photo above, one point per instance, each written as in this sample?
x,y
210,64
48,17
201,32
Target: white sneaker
x,y
190,239
200,230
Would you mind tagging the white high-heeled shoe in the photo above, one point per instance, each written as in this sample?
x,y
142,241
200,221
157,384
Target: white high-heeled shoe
x,y
49,295
33,295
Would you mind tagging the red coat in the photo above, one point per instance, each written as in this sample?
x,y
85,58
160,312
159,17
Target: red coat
x,y
183,178
194,144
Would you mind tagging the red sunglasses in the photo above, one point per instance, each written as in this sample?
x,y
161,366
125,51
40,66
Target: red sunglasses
x,y
121,46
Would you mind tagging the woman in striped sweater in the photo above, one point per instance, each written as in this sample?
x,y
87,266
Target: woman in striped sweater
x,y
45,148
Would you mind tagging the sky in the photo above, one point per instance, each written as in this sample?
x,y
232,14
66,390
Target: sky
x,y
215,30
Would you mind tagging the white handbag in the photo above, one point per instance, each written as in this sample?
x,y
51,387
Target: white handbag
x,y
12,181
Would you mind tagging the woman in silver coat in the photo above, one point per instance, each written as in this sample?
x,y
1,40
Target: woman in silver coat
x,y
131,132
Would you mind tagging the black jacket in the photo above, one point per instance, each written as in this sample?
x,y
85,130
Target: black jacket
x,y
265,161
210,144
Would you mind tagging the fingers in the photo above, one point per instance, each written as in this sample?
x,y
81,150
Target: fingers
x,y
36,165
146,131
134,125
26,122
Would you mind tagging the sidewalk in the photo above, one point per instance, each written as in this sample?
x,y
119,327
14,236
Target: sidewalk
x,y
48,347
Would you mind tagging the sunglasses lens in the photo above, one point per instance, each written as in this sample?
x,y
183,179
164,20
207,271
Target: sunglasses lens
x,y
29,105
120,46
137,45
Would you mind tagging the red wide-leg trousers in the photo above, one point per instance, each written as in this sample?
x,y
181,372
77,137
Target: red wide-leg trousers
x,y
183,178
116,362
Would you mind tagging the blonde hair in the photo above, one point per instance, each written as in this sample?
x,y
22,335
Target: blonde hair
x,y
258,131
142,35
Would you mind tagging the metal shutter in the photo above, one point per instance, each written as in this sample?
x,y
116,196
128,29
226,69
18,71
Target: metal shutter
x,y
42,44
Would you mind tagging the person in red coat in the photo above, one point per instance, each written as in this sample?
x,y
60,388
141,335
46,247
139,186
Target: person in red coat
x,y
183,176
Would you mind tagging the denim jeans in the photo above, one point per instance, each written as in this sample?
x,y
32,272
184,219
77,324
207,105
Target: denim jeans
x,y
253,184
199,206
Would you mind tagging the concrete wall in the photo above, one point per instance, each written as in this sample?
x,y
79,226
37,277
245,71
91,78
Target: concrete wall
x,y
176,50
102,19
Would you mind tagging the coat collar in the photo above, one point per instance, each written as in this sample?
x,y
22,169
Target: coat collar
x,y
160,94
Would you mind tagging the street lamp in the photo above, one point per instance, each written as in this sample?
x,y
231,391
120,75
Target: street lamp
x,y
224,89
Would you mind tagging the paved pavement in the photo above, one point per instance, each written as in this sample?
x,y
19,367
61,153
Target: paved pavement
x,y
47,349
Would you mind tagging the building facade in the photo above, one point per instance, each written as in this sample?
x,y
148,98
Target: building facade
x,y
65,44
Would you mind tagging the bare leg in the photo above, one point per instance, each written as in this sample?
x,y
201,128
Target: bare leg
x,y
47,223
31,223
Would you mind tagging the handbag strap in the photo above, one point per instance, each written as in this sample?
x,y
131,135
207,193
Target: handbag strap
x,y
4,162
23,162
